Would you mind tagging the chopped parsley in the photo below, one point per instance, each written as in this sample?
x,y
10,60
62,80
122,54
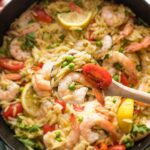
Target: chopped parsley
x,y
99,43
31,143
106,56
128,142
28,42
62,37
139,129
121,50
46,2
118,66
33,128
78,2
125,42
139,67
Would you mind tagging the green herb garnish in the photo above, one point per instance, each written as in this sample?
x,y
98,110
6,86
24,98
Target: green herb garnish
x,y
106,56
28,42
139,67
78,2
33,128
139,129
31,143
99,43
118,66
128,142
121,50
62,37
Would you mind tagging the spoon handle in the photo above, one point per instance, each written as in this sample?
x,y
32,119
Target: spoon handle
x,y
117,89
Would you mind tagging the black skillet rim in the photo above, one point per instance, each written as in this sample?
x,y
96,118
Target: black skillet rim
x,y
6,134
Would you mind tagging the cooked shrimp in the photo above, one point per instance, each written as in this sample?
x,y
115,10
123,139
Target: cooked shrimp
x,y
12,76
25,18
29,29
76,96
10,91
137,46
17,52
102,110
127,65
26,25
74,135
127,30
99,96
106,45
96,120
113,15
40,84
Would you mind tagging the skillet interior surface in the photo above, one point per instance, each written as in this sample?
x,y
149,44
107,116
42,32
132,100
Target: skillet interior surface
x,y
12,11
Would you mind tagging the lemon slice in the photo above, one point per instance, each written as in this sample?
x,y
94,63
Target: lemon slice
x,y
74,20
29,102
125,115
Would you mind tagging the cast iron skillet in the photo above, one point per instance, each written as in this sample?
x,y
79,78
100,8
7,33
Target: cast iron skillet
x,y
13,10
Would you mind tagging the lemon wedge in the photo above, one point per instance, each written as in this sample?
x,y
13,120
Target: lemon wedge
x,y
75,20
125,115
29,101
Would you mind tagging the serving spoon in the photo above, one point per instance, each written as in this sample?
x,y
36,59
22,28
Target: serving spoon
x,y
117,89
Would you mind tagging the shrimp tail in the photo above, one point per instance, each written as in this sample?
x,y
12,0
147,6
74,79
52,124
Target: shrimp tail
x,y
74,135
99,96
105,124
128,29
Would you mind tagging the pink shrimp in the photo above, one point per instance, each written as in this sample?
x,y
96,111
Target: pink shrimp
x,y
97,120
113,15
137,46
127,64
11,92
74,135
40,84
127,30
99,96
12,76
